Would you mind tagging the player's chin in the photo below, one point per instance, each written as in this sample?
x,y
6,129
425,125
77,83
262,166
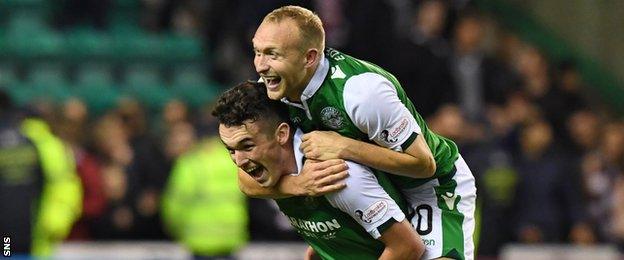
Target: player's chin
x,y
266,181
275,94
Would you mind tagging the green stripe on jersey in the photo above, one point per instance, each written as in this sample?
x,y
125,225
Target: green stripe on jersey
x,y
452,219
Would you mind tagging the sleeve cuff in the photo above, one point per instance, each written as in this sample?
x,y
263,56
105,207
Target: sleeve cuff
x,y
409,141
376,232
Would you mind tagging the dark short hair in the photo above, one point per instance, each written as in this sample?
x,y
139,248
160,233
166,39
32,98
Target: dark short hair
x,y
248,101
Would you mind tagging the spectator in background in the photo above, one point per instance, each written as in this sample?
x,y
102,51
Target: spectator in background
x,y
612,145
21,180
617,211
147,165
202,207
602,175
450,121
172,132
61,199
120,182
611,154
429,21
422,57
479,80
497,181
564,98
362,18
180,17
73,129
179,140
583,129
549,208
536,80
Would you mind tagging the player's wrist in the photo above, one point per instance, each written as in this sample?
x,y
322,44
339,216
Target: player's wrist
x,y
289,186
347,148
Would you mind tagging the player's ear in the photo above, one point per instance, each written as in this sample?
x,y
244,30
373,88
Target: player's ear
x,y
282,133
311,57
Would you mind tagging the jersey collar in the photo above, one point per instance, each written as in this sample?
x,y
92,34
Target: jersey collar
x,y
299,157
316,81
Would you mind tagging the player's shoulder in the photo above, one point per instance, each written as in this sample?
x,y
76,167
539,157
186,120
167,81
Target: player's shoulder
x,y
367,87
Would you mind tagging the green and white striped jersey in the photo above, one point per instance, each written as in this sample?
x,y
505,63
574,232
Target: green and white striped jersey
x,y
362,101
346,224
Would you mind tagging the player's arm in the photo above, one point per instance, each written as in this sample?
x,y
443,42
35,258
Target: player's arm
x,y
416,161
401,242
316,178
371,206
373,105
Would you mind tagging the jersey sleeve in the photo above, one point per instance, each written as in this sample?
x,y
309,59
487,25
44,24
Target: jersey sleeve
x,y
372,103
366,201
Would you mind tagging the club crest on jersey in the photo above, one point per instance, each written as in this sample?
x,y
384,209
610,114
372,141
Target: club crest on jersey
x,y
331,117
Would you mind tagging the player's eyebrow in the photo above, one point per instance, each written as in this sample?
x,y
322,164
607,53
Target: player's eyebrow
x,y
238,144
265,50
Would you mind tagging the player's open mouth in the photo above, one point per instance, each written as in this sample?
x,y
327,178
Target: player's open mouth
x,y
272,82
255,172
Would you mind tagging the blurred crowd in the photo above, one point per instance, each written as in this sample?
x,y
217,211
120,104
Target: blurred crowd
x,y
547,156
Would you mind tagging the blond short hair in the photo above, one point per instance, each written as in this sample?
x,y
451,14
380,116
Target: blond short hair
x,y
309,24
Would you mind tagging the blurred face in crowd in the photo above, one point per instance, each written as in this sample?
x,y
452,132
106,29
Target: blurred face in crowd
x,y
282,60
531,63
175,111
536,137
180,139
584,127
431,18
259,149
613,142
468,34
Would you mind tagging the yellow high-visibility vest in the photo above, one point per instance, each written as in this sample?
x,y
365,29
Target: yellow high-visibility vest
x,y
202,206
60,204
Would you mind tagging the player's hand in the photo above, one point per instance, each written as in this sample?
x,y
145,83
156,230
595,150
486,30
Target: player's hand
x,y
319,178
322,145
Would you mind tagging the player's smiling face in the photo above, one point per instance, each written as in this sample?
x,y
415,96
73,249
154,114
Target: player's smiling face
x,y
280,60
257,153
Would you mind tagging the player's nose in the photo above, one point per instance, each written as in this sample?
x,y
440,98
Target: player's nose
x,y
261,64
240,159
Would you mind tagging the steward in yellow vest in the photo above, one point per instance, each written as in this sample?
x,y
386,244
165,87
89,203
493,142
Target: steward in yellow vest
x,y
202,206
60,204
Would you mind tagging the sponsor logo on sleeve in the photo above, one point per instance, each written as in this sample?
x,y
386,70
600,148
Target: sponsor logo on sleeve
x,y
386,138
374,212
392,134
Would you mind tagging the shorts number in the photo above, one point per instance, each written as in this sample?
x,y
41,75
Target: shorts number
x,y
427,216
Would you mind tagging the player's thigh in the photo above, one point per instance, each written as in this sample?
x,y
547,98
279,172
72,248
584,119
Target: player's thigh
x,y
444,215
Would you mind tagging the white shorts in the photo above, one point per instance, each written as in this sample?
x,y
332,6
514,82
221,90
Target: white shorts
x,y
444,214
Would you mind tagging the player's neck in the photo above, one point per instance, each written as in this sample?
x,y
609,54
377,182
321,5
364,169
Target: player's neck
x,y
289,161
296,97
